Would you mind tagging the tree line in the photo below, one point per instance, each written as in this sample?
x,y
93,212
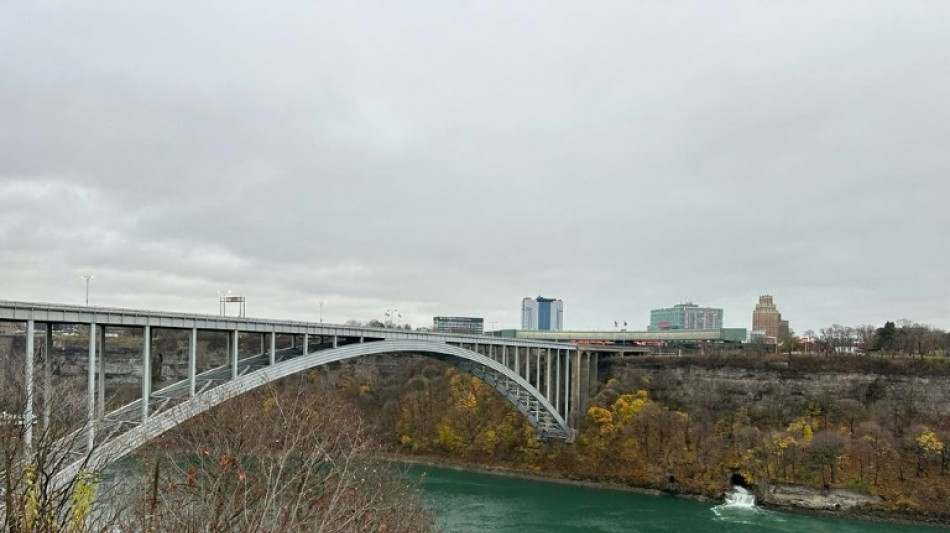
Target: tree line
x,y
903,337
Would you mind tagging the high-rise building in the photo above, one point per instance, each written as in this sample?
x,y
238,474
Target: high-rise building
x,y
767,321
685,316
458,324
542,314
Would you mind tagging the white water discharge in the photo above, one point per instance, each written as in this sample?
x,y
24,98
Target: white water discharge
x,y
740,508
739,498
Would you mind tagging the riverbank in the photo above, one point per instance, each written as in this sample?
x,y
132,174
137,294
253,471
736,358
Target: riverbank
x,y
807,501
513,472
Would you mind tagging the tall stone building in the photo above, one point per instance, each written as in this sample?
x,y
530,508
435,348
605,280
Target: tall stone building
x,y
767,321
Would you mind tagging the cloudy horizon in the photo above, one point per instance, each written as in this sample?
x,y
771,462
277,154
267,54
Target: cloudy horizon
x,y
451,158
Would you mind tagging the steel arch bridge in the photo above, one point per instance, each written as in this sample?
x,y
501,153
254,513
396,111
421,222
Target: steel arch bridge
x,y
545,392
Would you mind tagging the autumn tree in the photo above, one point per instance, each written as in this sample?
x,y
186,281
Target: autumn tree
x,y
824,451
273,460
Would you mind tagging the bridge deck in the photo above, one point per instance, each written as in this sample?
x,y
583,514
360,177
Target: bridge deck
x,y
118,317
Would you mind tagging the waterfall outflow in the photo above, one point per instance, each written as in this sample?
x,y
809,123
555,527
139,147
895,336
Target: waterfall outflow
x,y
739,498
738,507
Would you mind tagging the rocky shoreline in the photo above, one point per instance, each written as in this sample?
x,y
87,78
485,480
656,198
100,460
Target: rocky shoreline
x,y
838,503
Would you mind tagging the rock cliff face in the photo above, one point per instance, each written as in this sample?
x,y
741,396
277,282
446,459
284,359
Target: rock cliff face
x,y
801,497
809,433
780,390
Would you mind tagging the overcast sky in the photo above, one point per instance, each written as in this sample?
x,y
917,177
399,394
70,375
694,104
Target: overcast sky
x,y
451,158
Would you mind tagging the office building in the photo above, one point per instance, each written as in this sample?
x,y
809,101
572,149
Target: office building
x,y
593,339
685,316
767,321
458,324
545,314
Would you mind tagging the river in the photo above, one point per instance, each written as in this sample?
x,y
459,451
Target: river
x,y
467,502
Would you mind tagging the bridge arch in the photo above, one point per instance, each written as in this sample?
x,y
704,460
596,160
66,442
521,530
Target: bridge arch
x,y
526,398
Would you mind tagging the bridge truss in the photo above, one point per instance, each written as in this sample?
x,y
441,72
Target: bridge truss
x,y
539,378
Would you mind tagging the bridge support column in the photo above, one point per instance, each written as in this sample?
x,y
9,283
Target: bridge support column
x,y
547,375
584,380
537,369
517,362
335,341
91,391
557,381
567,390
577,384
504,355
272,353
234,353
28,384
146,370
593,360
306,343
192,361
527,364
47,376
101,386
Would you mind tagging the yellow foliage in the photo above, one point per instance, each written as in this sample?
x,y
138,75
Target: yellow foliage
x,y
448,438
628,406
629,450
491,438
32,504
600,416
784,441
928,442
365,389
269,404
467,401
801,427
80,504
530,439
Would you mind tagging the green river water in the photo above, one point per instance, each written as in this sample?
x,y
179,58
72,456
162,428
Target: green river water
x,y
466,502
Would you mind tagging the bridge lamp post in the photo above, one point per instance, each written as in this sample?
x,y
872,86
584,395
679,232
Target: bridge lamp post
x,y
321,304
222,294
87,278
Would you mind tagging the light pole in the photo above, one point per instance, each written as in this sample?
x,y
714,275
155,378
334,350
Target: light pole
x,y
88,278
393,316
321,302
222,294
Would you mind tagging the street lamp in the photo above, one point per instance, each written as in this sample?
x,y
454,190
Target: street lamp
x,y
88,278
321,302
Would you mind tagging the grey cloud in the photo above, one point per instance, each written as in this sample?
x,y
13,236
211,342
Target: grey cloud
x,y
449,158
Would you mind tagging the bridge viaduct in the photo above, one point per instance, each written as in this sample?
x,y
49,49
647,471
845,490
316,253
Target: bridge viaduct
x,y
548,382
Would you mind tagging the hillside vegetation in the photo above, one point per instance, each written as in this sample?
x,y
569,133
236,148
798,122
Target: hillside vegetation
x,y
694,425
